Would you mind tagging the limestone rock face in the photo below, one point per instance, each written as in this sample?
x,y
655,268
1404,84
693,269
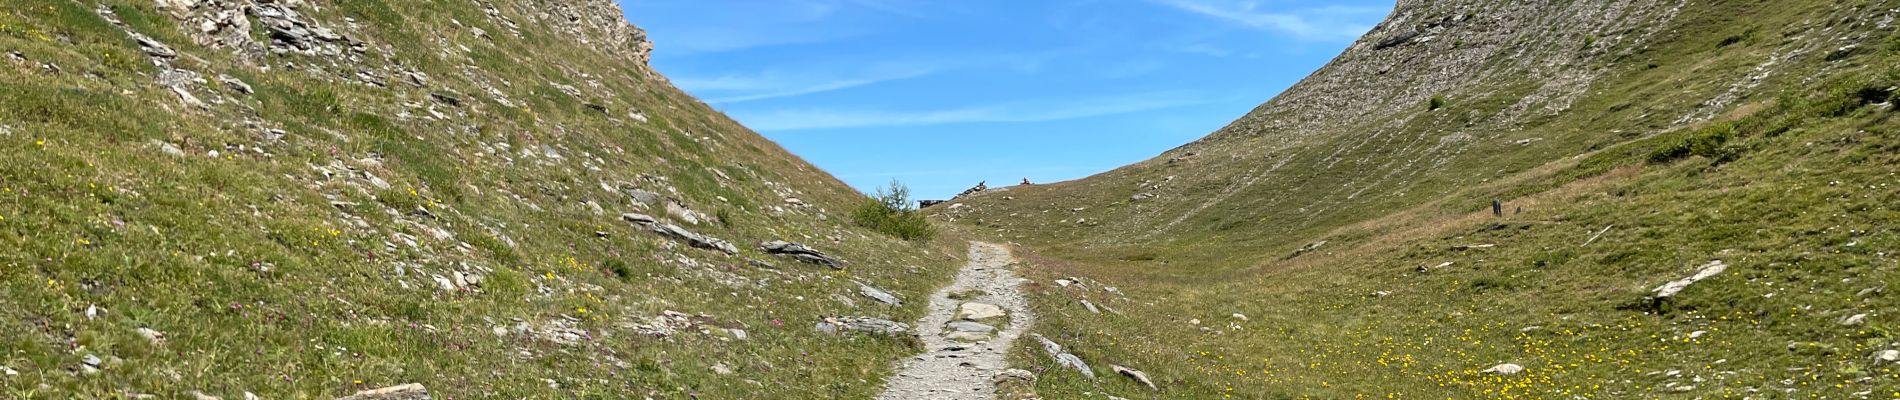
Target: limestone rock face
x,y
597,22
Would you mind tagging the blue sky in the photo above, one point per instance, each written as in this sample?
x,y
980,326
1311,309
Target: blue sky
x,y
943,94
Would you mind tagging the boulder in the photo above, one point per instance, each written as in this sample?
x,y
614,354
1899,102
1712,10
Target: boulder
x,y
801,253
1887,356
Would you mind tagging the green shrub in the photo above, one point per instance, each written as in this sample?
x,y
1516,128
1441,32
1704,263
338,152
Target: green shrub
x,y
1711,142
1436,103
891,213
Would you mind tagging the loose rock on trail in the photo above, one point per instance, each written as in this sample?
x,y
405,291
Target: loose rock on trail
x,y
952,369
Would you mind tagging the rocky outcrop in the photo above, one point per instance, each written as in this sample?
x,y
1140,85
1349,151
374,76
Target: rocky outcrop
x,y
1433,48
599,23
227,24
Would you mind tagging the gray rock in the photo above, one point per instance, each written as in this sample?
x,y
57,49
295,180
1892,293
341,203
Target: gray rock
x,y
687,215
967,337
1062,357
641,219
1854,320
291,32
1014,375
404,392
235,84
1887,356
1673,287
168,148
973,327
91,364
197,395
1505,369
878,294
974,311
840,325
642,197
1137,375
153,47
152,335
801,253
1073,362
694,239
1091,307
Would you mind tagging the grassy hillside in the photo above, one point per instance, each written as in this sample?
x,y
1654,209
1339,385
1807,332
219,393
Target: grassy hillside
x,y
223,197
1363,259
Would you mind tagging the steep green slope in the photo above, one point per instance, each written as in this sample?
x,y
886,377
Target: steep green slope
x,y
306,199
1348,222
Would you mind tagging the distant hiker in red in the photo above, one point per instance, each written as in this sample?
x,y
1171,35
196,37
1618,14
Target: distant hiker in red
x,y
1026,182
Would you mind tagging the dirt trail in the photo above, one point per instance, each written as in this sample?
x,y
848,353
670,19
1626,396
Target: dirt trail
x,y
956,370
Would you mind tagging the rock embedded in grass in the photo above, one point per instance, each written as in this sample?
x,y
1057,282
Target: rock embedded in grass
x,y
1673,287
152,335
1136,375
839,325
694,239
878,294
801,253
1505,369
1062,357
1014,375
403,392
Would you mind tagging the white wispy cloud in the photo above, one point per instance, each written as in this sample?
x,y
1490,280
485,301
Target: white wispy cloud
x,y
1324,23
1205,49
780,82
1037,111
